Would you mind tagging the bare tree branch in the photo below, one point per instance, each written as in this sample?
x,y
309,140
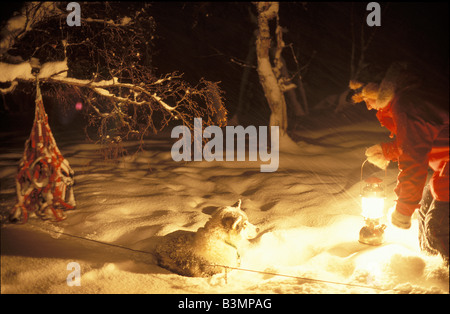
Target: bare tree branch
x,y
106,63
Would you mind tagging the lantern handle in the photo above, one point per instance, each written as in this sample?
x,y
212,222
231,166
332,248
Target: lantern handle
x,y
362,166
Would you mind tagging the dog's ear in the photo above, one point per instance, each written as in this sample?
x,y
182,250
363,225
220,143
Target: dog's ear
x,y
236,223
231,223
237,204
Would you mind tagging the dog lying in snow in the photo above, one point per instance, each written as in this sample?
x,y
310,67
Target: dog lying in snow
x,y
219,242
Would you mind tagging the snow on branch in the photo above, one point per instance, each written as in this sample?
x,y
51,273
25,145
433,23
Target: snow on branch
x,y
151,95
123,22
107,65
101,88
14,72
22,22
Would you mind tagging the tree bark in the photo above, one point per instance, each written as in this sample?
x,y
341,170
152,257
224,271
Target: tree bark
x,y
268,74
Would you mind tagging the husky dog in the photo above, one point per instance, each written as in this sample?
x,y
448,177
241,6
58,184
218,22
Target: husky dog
x,y
219,242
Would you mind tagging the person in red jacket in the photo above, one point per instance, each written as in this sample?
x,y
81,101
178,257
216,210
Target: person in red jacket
x,y
419,124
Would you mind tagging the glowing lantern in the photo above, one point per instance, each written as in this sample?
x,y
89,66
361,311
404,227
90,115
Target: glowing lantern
x,y
372,203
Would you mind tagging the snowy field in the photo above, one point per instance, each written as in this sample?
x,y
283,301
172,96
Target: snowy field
x,y
308,213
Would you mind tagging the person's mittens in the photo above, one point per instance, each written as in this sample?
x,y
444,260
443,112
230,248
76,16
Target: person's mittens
x,y
376,157
399,220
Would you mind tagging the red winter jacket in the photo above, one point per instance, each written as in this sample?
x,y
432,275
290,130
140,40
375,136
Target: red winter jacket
x,y
420,125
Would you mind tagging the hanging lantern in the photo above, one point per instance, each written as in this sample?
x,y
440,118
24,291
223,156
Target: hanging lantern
x,y
372,203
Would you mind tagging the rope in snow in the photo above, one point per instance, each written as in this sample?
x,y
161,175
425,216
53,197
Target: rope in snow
x,y
304,278
97,241
234,268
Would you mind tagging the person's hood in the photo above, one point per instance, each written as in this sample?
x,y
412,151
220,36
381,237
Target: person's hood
x,y
396,78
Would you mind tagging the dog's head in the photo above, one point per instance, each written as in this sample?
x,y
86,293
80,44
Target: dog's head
x,y
235,221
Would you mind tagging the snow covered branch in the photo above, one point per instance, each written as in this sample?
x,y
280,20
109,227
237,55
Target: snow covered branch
x,y
22,22
106,65
24,71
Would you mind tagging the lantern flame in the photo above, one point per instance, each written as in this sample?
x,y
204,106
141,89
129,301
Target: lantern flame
x,y
372,207
372,204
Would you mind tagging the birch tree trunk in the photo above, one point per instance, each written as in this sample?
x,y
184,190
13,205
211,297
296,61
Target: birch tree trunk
x,y
269,75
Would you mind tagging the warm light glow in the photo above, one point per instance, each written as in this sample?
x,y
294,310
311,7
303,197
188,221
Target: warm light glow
x,y
372,207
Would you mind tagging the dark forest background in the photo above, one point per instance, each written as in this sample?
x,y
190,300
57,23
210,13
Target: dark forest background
x,y
213,39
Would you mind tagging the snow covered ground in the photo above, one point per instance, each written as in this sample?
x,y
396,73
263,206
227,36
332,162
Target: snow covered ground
x,y
308,212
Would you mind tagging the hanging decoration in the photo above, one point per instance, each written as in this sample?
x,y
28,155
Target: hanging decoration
x,y
44,182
